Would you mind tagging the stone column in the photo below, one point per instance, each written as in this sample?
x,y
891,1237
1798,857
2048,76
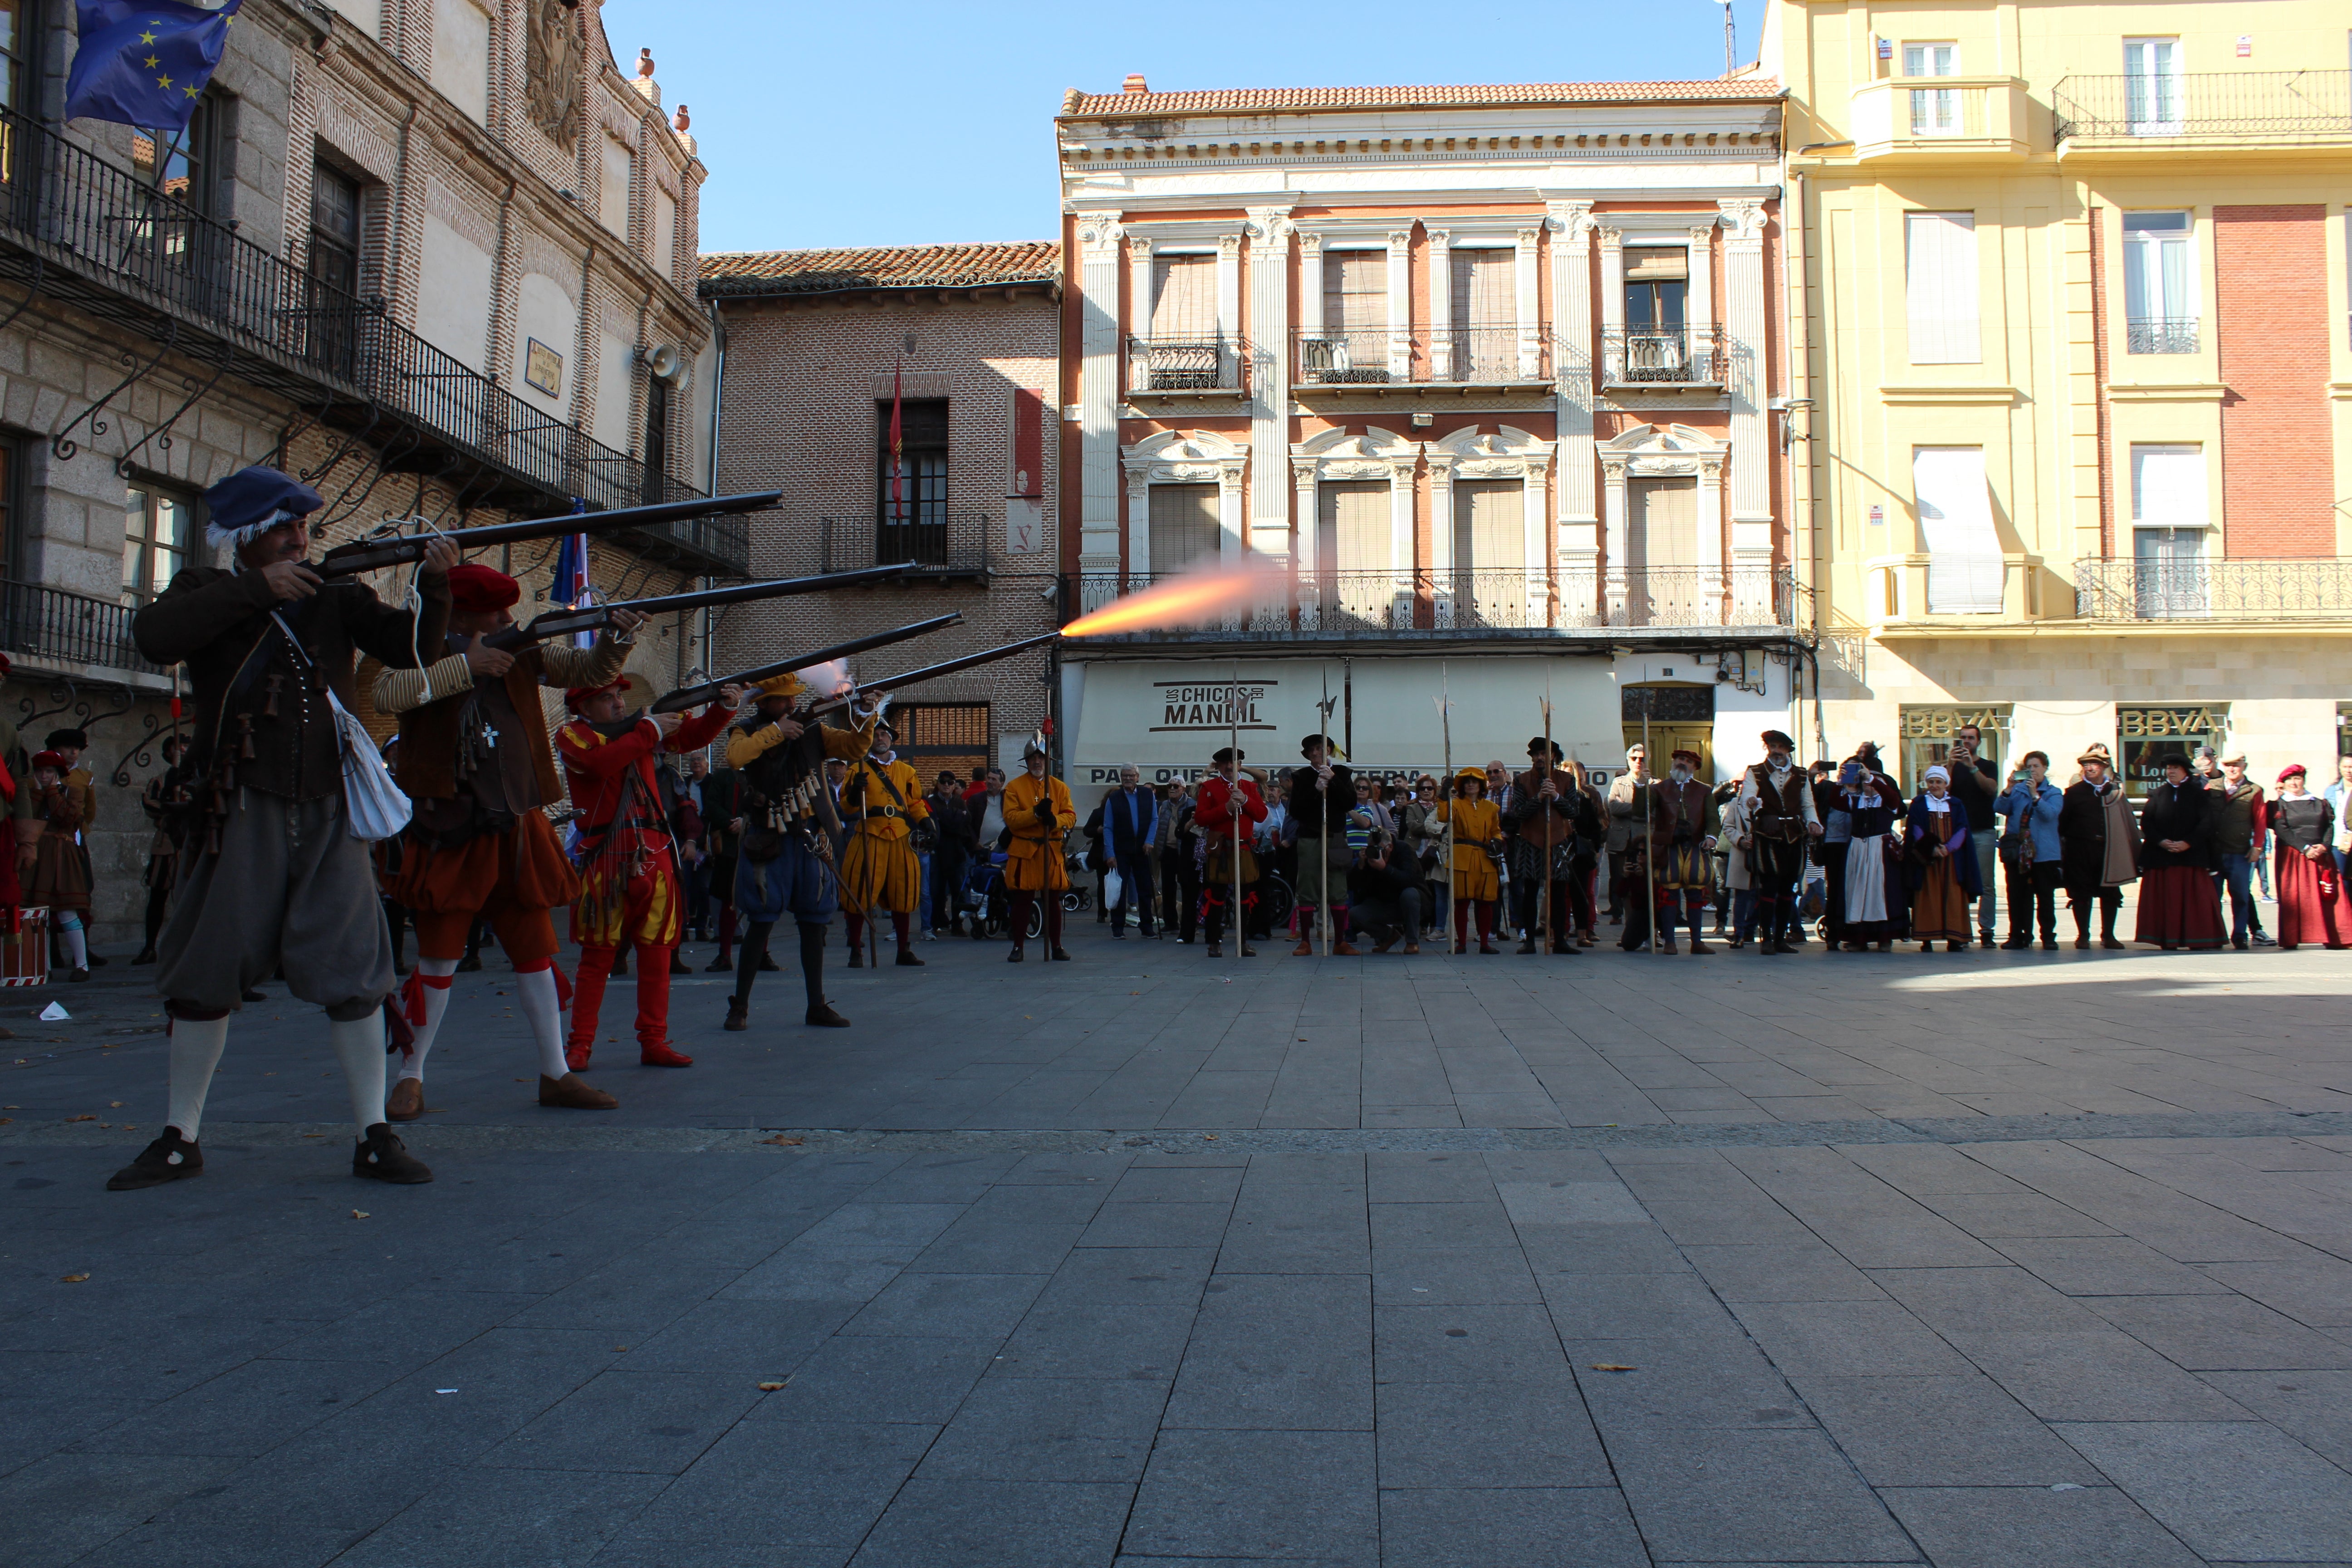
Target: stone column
x,y
1401,304
1743,312
1698,306
1269,402
1612,303
1229,303
1444,363
1304,476
1530,330
1578,512
1139,312
1099,237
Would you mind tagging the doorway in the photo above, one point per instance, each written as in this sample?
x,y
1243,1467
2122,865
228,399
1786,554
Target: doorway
x,y
1681,717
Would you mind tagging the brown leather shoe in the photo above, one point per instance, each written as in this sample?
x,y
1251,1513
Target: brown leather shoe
x,y
1341,950
407,1100
1306,948
571,1092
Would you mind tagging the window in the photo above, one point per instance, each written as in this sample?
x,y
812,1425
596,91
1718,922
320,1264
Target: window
x,y
2144,734
1490,553
19,34
1485,304
2159,284
664,235
1183,351
1352,553
12,547
2168,485
1927,734
2152,86
334,267
1964,556
942,737
1183,526
619,174
917,516
1935,112
657,452
2169,532
1940,288
180,164
158,530
1662,581
1355,342
461,57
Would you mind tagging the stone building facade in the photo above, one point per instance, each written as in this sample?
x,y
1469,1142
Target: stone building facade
x,y
433,255
961,339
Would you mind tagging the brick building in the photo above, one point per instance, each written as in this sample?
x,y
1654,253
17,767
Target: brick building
x,y
819,346
435,256
1487,372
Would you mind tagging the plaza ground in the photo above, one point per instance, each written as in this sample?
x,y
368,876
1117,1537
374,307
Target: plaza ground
x,y
1990,1259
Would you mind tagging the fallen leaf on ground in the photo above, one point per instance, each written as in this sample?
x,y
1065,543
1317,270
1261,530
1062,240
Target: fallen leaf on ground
x,y
1612,1367
781,1139
114,1104
359,1213
770,1387
81,1119
73,1279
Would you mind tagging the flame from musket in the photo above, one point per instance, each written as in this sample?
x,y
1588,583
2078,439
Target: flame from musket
x,y
1187,598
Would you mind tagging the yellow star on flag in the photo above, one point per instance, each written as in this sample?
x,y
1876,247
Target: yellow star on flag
x,y
152,62
147,38
189,90
163,81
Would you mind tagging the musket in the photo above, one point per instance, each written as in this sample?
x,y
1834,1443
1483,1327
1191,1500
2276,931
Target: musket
x,y
688,697
931,672
370,553
596,617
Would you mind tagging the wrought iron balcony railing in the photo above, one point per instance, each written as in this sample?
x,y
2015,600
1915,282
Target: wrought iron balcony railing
x,y
2252,588
1199,364
2160,335
1479,600
1352,356
1489,354
948,545
2296,103
68,629
78,227
1663,356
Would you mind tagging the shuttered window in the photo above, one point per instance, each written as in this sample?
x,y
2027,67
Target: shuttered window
x,y
1964,563
1355,291
1184,297
1483,293
1352,527
1490,525
1663,533
2168,485
1184,525
1940,288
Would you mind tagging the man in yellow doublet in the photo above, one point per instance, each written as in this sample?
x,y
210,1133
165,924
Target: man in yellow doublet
x,y
881,805
1037,812
1476,827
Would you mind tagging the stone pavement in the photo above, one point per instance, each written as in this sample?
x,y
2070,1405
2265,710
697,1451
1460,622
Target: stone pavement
x,y
1147,1259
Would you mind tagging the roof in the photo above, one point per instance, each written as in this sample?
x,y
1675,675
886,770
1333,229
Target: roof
x,y
1259,100
881,267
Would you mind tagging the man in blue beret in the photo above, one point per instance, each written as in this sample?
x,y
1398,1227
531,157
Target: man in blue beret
x,y
270,875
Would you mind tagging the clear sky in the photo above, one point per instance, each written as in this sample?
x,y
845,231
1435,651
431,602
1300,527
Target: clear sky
x,y
912,122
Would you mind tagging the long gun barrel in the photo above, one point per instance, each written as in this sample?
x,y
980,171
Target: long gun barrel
x,y
932,671
688,697
595,618
368,554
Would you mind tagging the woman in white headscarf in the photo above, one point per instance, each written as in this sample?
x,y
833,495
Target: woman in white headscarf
x,y
1941,868
1873,907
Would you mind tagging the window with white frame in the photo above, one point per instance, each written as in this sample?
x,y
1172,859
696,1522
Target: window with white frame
x,y
2152,86
2169,529
619,174
1485,307
1934,110
1956,526
1184,527
2159,283
1355,342
1940,288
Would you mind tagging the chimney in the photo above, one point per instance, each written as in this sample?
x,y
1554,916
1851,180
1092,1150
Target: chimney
x,y
1135,83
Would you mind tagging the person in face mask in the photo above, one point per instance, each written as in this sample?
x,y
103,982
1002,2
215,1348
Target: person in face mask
x,y
1781,822
1683,826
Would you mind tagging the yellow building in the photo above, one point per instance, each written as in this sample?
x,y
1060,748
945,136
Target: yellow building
x,y
2073,399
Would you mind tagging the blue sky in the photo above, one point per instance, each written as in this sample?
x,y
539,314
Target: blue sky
x,y
916,121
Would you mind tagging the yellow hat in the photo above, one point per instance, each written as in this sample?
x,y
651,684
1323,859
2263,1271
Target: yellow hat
x,y
785,685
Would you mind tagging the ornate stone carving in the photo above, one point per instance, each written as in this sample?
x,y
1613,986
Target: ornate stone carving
x,y
553,55
1571,221
1743,220
1100,235
1270,226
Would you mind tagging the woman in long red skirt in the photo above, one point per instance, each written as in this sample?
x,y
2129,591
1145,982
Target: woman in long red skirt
x,y
2310,895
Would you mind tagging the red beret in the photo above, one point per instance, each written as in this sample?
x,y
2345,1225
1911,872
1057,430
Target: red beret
x,y
624,683
48,760
477,589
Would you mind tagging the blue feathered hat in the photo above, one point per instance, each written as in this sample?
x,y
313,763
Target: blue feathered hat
x,y
254,501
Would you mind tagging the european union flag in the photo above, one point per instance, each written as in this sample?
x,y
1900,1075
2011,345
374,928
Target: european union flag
x,y
144,64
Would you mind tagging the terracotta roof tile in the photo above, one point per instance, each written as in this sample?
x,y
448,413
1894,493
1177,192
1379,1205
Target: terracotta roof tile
x,y
1123,105
880,266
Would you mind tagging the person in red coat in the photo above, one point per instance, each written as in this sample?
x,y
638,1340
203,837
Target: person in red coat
x,y
631,889
2310,894
1224,802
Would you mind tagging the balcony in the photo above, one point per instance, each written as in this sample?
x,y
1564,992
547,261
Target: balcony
x,y
2160,335
1496,354
69,633
1678,603
1459,358
945,544
2252,588
2153,115
1352,356
1932,119
1646,357
76,227
1181,367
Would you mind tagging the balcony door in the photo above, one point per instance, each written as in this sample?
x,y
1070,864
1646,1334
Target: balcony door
x,y
2152,86
1484,303
1352,567
1184,528
158,531
2159,291
911,514
1661,558
1181,351
1355,342
1934,110
1657,285
1490,553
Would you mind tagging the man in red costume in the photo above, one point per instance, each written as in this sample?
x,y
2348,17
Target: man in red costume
x,y
630,888
1224,802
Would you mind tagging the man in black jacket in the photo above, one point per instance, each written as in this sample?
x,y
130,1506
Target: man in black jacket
x,y
1322,789
1131,824
271,876
952,853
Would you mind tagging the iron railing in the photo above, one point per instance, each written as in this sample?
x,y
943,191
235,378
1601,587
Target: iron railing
x,y
1668,356
1455,355
77,215
2160,335
1473,601
68,629
2252,588
1488,353
1346,356
2204,103
949,544
1196,363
